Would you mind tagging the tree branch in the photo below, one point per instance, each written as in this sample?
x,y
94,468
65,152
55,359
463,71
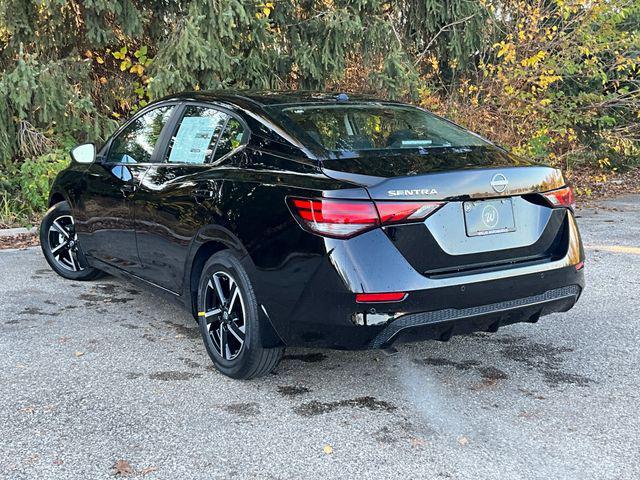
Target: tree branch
x,y
445,28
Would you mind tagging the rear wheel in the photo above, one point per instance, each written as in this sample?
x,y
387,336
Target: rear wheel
x,y
229,322
60,246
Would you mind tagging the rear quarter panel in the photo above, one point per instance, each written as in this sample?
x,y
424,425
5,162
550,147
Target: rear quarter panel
x,y
279,255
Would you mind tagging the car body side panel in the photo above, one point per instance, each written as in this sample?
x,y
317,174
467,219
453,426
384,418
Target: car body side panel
x,y
105,214
102,212
168,217
281,257
69,184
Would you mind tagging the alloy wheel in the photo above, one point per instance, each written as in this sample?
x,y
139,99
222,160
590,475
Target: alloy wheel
x,y
63,243
225,315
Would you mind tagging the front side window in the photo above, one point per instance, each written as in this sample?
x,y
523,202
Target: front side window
x,y
136,142
195,139
376,127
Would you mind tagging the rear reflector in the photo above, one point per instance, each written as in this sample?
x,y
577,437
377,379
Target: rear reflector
x,y
380,297
562,197
346,218
579,266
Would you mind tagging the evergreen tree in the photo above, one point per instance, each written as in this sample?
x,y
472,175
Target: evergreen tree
x,y
68,67
71,69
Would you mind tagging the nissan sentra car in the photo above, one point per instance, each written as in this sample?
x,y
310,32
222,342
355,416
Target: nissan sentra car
x,y
318,220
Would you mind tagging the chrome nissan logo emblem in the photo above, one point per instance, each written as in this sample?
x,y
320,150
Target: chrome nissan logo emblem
x,y
499,182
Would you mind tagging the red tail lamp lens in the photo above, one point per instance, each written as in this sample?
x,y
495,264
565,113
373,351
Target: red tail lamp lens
x,y
394,212
334,218
380,297
346,218
562,197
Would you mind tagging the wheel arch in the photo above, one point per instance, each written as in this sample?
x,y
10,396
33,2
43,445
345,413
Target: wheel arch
x,y
207,242
55,198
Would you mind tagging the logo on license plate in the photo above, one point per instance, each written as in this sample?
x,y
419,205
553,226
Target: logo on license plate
x,y
490,216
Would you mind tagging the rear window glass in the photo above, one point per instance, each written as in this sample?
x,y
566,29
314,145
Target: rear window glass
x,y
375,127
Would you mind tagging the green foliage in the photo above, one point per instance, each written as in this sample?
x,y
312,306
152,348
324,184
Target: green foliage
x,y
36,176
554,79
24,189
561,83
44,100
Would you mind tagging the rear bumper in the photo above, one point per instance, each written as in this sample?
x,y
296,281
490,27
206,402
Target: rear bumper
x,y
443,324
328,319
310,299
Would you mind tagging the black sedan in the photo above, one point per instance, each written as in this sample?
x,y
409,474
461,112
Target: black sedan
x,y
316,219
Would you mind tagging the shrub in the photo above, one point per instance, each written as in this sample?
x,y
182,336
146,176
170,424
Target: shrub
x,y
24,187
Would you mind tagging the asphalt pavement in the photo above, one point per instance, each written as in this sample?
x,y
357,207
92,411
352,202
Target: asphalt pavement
x,y
99,374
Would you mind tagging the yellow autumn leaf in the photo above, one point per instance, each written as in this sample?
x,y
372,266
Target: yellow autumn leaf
x,y
137,69
100,60
328,449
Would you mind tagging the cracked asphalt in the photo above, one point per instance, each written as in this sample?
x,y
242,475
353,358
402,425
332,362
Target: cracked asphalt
x,y
93,373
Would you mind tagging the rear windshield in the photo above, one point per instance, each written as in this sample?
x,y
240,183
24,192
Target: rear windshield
x,y
357,127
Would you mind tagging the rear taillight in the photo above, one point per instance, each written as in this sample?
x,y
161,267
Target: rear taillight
x,y
346,218
394,212
334,218
562,197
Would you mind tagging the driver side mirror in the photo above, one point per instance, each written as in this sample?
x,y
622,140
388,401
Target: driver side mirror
x,y
84,153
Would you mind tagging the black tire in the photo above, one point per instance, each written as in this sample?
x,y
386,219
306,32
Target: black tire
x,y
241,360
69,262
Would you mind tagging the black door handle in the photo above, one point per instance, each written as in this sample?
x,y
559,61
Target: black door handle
x,y
202,194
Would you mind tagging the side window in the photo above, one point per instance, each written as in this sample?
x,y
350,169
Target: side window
x,y
230,139
136,142
196,137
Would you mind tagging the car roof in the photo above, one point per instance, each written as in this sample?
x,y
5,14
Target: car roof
x,y
266,98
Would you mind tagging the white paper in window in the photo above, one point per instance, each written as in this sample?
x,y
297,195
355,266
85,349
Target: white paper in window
x,y
192,143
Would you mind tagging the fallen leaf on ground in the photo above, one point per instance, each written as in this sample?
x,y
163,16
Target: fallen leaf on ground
x,y
21,240
525,414
463,440
146,470
122,467
417,442
79,354
328,449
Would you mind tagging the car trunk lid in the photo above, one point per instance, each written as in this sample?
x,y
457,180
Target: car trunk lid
x,y
461,236
444,174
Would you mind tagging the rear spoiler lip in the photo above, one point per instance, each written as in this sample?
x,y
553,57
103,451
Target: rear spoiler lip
x,y
456,185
